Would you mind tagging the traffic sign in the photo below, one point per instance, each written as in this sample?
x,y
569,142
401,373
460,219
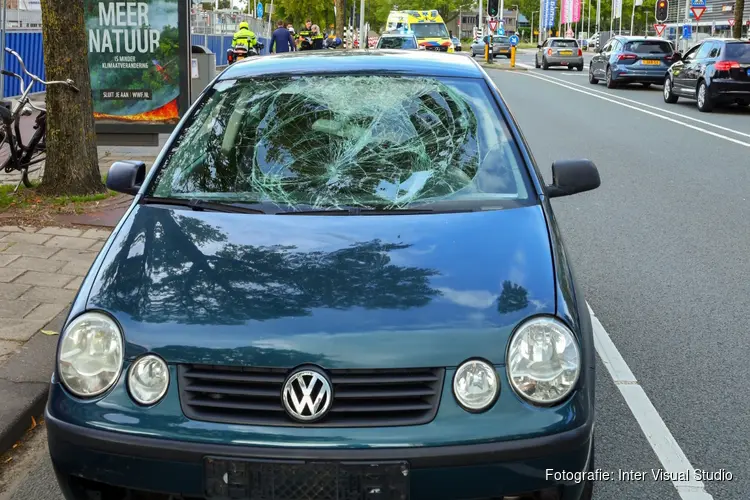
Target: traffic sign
x,y
514,40
659,28
731,22
686,31
569,33
697,12
260,9
493,25
697,3
501,30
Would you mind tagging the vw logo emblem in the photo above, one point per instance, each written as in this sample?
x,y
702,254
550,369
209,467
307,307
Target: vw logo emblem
x,y
307,395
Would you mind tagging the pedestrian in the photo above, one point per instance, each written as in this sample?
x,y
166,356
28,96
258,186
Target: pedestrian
x,y
282,40
317,37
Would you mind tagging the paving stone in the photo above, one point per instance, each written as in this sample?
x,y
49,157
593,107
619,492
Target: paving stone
x,y
49,295
45,312
8,274
10,229
7,259
52,280
21,237
19,330
96,234
61,231
97,246
78,267
16,309
69,254
68,242
3,233
11,291
8,347
34,264
75,284
27,250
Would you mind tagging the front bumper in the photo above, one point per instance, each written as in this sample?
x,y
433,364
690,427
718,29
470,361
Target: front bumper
x,y
112,463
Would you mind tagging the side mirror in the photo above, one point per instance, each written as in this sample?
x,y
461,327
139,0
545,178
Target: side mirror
x,y
126,176
538,46
677,57
573,176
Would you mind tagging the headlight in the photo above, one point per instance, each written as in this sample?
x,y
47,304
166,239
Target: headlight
x,y
91,352
148,379
475,385
544,361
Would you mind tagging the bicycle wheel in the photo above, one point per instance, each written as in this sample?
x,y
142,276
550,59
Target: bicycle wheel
x,y
33,165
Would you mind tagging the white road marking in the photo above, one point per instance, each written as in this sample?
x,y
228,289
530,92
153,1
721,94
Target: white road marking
x,y
656,431
608,98
662,110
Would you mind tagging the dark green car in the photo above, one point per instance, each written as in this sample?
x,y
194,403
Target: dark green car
x,y
341,280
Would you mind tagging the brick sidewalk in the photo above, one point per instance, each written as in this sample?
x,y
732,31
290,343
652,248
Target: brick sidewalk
x,y
40,272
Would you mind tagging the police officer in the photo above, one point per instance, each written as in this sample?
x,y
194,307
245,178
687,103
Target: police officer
x,y
244,36
305,36
317,38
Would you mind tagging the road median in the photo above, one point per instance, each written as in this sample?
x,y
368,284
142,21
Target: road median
x,y
501,66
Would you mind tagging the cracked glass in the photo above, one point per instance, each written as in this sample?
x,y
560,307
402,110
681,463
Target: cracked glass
x,y
329,142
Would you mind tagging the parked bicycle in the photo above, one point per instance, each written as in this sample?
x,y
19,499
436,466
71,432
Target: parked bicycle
x,y
22,156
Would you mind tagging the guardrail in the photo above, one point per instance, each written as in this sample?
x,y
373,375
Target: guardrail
x,y
28,44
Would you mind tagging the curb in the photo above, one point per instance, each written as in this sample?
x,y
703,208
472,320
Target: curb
x,y
502,67
24,383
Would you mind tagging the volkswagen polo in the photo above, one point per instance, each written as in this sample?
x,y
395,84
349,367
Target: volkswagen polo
x,y
341,279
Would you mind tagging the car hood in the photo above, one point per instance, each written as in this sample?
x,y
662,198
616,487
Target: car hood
x,y
341,291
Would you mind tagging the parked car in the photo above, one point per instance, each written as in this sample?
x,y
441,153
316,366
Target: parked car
x,y
274,314
398,41
714,72
456,43
559,52
500,47
628,59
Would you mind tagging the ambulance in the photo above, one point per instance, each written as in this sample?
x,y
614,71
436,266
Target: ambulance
x,y
426,25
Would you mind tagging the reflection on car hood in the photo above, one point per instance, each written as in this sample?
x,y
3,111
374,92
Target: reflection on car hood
x,y
340,291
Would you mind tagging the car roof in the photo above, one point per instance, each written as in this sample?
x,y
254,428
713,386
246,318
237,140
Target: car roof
x,y
397,35
330,62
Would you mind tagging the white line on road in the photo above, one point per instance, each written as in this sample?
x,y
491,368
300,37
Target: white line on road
x,y
570,86
662,110
656,431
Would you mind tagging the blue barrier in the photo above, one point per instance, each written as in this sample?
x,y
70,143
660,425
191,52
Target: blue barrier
x,y
29,45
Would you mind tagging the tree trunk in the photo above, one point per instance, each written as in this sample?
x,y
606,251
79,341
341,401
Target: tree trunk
x,y
340,17
71,166
739,7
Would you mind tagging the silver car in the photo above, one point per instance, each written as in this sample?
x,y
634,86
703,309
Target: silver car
x,y
500,47
559,52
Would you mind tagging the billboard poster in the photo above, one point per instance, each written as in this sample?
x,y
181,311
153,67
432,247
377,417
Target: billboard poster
x,y
550,9
135,60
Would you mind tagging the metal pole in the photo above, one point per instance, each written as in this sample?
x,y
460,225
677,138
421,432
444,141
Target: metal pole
x,y
645,29
588,23
632,18
480,25
2,47
685,41
541,21
362,24
598,16
502,14
532,27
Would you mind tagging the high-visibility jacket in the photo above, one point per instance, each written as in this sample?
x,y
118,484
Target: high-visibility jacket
x,y
244,37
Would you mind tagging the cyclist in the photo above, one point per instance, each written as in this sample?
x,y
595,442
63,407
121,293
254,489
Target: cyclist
x,y
244,36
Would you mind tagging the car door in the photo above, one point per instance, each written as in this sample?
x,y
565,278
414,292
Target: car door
x,y
680,70
541,50
694,69
596,61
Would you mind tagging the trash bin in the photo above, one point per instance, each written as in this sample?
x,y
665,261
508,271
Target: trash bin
x,y
202,70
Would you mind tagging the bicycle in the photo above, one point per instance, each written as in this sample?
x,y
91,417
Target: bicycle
x,y
22,156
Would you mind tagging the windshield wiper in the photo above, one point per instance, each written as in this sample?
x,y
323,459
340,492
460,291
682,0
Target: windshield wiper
x,y
201,205
373,211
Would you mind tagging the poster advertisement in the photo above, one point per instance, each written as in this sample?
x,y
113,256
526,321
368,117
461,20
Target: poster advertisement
x,y
134,59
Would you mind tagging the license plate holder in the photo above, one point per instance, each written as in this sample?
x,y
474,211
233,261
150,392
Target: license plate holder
x,y
246,479
650,62
566,52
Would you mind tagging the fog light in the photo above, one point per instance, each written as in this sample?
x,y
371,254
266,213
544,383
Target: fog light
x,y
475,385
148,379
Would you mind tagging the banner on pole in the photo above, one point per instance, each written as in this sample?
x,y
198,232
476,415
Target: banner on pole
x,y
617,9
550,9
566,11
576,16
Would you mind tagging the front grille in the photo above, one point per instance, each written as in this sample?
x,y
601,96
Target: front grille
x,y
361,398
437,49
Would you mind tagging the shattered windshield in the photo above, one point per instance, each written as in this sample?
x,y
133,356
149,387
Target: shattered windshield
x,y
344,141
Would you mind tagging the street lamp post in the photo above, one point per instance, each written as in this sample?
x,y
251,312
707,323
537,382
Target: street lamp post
x,y
531,35
515,23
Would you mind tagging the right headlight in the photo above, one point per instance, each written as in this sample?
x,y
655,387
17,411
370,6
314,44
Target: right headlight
x,y
91,353
544,361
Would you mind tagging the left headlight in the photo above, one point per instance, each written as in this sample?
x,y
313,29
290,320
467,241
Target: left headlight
x,y
91,352
544,361
475,385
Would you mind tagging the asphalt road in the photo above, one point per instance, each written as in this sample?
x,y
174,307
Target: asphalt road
x,y
661,252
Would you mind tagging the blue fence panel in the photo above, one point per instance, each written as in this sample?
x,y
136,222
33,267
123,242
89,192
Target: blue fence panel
x,y
28,44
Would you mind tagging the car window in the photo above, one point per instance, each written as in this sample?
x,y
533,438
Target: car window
x,y
607,47
430,30
715,50
397,42
346,141
738,51
704,50
500,39
648,47
692,53
565,43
